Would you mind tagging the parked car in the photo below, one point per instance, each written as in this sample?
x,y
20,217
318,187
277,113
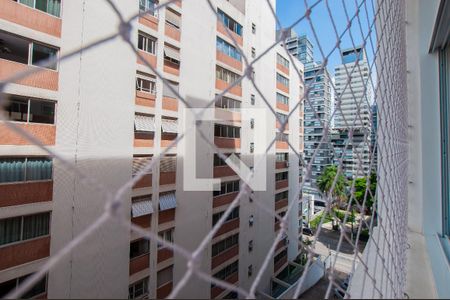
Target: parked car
x,y
307,231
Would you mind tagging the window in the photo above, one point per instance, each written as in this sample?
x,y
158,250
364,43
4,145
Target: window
x,y
444,84
173,18
250,246
282,99
230,23
139,247
282,137
252,123
281,157
227,76
253,52
224,245
280,256
228,49
52,7
164,276
166,235
227,131
281,196
227,188
252,147
138,289
24,228
227,271
281,176
8,286
250,270
172,55
282,117
233,215
228,103
146,43
252,99
283,80
145,84
148,6
282,61
253,28
31,110
16,169
40,52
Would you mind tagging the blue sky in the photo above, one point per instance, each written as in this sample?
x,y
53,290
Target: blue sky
x,y
289,11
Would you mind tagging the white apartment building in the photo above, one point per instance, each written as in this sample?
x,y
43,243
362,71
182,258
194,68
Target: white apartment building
x,y
106,111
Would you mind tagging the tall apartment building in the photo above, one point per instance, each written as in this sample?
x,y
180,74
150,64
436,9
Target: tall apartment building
x,y
373,136
106,112
353,95
301,47
317,115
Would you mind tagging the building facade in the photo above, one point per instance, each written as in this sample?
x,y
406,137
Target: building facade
x,y
301,47
353,98
109,115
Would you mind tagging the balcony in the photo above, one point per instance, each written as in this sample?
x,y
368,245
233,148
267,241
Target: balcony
x,y
43,78
138,264
280,204
282,145
164,254
224,256
232,279
221,28
283,69
142,139
163,291
224,199
150,21
24,252
283,87
20,193
166,216
229,61
170,103
43,132
223,85
227,143
172,32
223,171
282,106
142,221
145,99
227,227
147,58
144,182
31,18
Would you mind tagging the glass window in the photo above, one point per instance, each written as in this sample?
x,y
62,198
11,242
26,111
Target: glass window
x,y
146,43
230,23
148,6
145,85
41,52
10,230
166,235
139,247
36,225
228,49
8,286
164,276
18,110
138,289
42,112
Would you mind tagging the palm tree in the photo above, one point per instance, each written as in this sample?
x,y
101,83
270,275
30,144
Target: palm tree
x,y
325,183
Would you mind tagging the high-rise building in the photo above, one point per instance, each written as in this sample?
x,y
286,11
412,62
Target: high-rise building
x,y
373,136
300,46
317,115
105,111
353,96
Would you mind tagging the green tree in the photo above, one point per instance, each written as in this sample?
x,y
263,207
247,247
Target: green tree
x,y
325,183
360,191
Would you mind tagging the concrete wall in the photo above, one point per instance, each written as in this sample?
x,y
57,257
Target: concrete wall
x,y
94,131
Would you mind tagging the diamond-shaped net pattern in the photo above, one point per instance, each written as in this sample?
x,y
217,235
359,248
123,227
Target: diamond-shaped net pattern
x,y
373,251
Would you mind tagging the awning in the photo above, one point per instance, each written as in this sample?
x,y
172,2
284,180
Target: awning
x,y
173,18
139,163
168,92
144,123
172,53
167,201
169,126
168,164
141,208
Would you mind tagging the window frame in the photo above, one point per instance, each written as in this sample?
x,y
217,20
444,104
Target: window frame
x,y
147,38
21,238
